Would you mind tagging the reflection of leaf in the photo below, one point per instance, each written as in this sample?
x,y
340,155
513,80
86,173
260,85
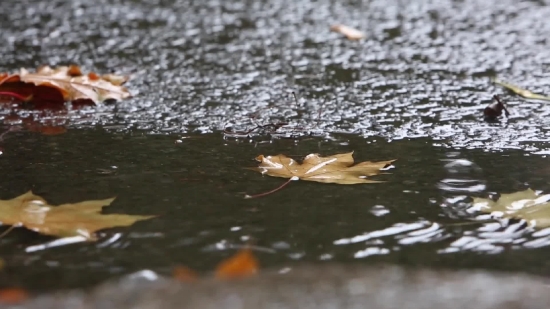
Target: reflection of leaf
x,y
78,219
242,264
522,92
184,274
56,86
348,32
338,168
13,296
521,205
46,129
46,124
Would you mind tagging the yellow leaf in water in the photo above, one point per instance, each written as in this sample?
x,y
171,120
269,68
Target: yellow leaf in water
x,y
348,32
338,168
526,205
522,92
78,219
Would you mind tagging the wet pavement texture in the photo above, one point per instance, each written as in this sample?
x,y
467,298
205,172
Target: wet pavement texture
x,y
423,70
413,90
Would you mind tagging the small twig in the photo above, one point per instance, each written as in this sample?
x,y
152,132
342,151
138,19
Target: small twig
x,y
320,113
494,110
273,129
3,135
496,97
470,222
271,191
295,99
7,231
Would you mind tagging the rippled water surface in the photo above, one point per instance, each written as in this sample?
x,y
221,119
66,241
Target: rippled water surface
x,y
414,90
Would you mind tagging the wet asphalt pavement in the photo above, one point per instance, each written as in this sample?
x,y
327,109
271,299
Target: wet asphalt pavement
x,y
423,70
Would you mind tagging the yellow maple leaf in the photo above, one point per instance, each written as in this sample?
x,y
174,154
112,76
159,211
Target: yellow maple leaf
x,y
78,219
338,168
526,205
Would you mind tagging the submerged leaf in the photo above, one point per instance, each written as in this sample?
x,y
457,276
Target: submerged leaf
x,y
62,84
522,92
78,219
242,264
526,205
348,32
338,168
13,296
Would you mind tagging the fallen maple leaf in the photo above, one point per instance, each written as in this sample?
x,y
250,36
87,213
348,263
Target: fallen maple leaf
x,y
63,84
338,169
348,32
526,205
242,264
78,219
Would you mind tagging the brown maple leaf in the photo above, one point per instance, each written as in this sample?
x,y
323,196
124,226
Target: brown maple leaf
x,y
78,219
62,84
338,169
526,205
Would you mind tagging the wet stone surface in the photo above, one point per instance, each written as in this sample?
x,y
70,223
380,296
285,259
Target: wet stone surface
x,y
324,287
413,90
423,70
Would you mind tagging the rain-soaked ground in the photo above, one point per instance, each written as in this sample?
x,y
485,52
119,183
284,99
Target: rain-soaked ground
x,y
413,90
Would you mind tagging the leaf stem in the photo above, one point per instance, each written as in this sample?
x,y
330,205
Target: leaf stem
x,y
271,191
13,95
7,231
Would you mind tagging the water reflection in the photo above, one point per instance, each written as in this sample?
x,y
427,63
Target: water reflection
x,y
489,237
482,233
390,231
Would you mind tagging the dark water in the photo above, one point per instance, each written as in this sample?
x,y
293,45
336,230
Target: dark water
x,y
414,90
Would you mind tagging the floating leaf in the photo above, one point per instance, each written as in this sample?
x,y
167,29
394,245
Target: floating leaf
x,y
62,84
13,296
242,264
522,92
525,205
78,219
338,168
348,32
